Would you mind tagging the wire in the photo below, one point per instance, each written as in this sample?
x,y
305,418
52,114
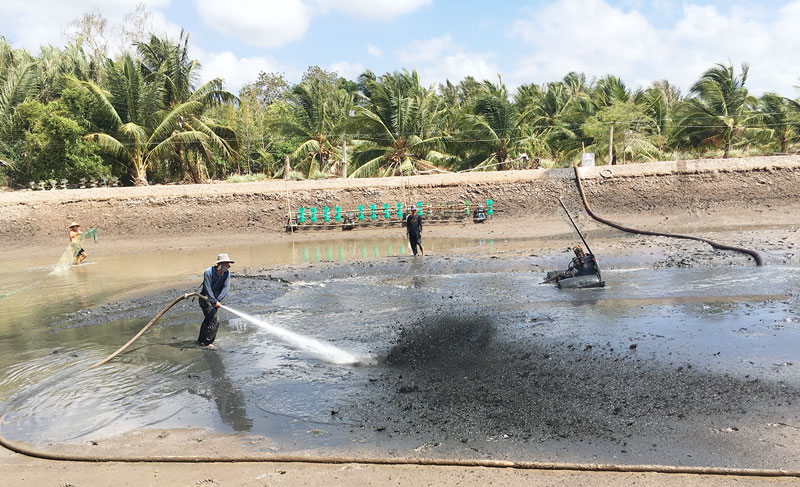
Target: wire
x,y
365,138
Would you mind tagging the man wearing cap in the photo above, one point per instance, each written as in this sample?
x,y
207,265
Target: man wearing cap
x,y
414,230
75,239
216,283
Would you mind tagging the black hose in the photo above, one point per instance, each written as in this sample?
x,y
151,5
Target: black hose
x,y
752,253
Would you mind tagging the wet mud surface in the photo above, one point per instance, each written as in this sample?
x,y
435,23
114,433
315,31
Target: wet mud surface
x,y
453,381
685,363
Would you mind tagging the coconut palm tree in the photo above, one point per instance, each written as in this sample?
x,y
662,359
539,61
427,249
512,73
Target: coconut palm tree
x,y
18,80
635,138
528,95
496,134
172,60
610,90
719,112
661,98
170,63
319,116
780,115
558,118
139,131
401,127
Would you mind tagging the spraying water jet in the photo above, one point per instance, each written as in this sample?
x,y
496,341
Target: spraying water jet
x,y
321,350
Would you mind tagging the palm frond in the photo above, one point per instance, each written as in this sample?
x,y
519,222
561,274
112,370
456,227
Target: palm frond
x,y
110,145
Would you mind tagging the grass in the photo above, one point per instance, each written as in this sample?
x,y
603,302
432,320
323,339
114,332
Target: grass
x,y
246,178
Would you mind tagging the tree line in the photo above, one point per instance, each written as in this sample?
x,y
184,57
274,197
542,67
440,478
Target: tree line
x,y
144,117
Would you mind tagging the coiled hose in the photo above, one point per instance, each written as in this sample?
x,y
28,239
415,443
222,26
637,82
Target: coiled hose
x,y
752,253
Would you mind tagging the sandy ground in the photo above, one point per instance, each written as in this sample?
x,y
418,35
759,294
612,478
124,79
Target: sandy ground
x,y
753,206
23,471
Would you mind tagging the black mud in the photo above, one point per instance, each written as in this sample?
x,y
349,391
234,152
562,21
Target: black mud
x,y
450,380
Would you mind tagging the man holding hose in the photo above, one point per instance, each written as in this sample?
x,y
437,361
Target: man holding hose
x,y
216,283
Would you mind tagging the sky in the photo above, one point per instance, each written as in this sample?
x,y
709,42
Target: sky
x,y
534,41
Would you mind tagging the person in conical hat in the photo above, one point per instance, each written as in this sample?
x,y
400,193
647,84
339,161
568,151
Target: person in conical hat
x,y
75,242
216,284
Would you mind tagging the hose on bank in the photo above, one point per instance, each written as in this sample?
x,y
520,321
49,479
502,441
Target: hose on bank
x,y
752,253
334,460
146,327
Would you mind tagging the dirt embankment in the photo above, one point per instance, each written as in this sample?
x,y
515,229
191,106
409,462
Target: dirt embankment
x,y
663,188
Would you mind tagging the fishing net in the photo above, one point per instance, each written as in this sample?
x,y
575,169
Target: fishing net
x,y
90,233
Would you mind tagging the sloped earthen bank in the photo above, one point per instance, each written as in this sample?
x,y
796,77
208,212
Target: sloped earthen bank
x,y
658,188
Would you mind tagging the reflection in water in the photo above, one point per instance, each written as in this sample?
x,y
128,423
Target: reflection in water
x,y
35,296
229,400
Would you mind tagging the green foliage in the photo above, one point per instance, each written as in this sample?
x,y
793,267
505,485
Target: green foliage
x,y
782,117
318,116
51,146
266,89
246,178
721,113
315,74
635,133
496,135
399,128
71,112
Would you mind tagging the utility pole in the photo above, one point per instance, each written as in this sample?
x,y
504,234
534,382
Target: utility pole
x,y
286,167
344,158
611,145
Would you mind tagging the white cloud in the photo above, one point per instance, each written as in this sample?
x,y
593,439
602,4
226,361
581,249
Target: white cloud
x,y
238,71
584,35
596,38
33,23
273,23
374,50
265,23
374,9
425,51
346,69
663,6
440,58
457,66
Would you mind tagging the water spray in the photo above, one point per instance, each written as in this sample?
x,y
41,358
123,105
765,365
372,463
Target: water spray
x,y
321,350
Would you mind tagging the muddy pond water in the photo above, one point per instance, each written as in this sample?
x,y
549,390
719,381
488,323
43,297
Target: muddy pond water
x,y
465,356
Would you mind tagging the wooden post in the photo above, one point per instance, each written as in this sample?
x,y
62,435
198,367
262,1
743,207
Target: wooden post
x,y
611,145
286,167
344,158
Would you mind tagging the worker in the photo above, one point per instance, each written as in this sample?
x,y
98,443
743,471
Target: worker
x,y
414,230
76,242
216,283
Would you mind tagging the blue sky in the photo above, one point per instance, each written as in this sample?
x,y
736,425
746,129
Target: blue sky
x,y
533,41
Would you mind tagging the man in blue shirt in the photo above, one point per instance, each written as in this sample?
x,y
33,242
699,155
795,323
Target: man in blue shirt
x,y
216,283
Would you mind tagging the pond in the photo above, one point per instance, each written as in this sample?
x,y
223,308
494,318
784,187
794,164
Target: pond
x,y
651,369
